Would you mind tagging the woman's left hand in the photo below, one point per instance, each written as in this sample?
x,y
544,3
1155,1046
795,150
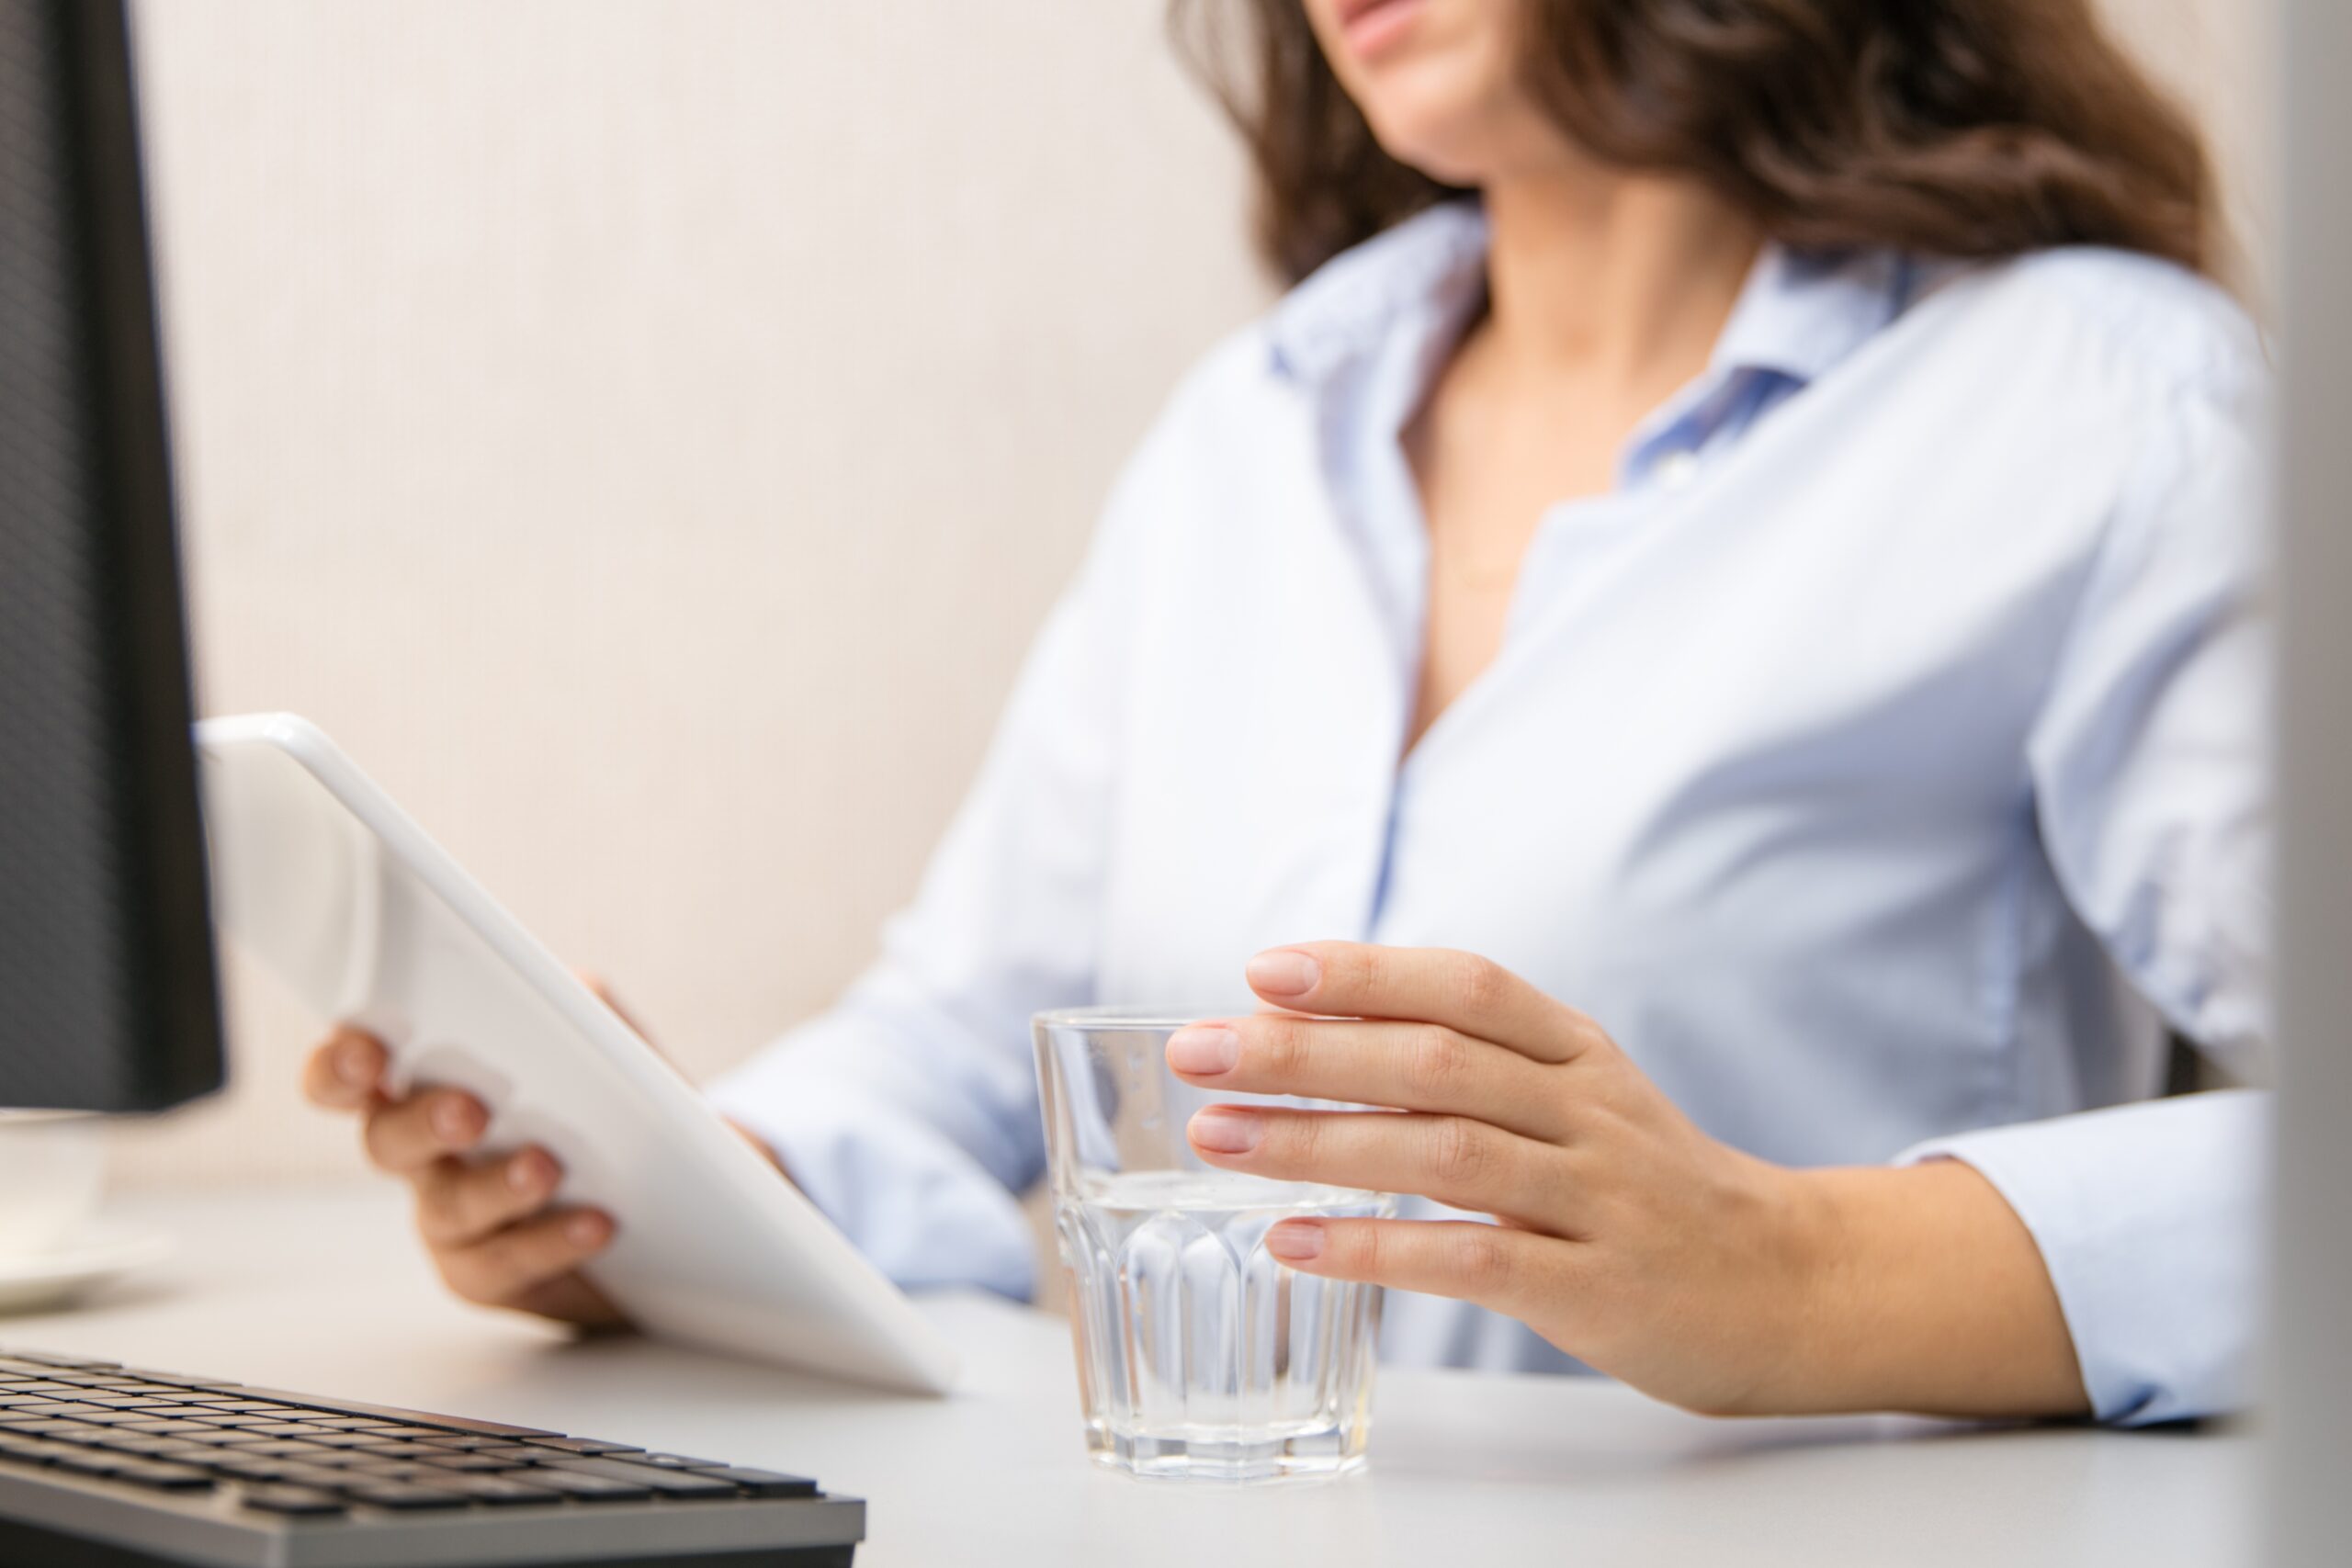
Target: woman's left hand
x,y
1628,1238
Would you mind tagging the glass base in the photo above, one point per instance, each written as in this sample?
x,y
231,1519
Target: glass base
x,y
1300,1456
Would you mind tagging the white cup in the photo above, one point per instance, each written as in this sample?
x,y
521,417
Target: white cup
x,y
52,1170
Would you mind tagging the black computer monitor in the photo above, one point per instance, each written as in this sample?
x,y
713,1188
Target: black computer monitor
x,y
108,996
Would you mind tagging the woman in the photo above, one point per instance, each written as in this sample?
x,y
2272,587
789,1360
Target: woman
x,y
1748,528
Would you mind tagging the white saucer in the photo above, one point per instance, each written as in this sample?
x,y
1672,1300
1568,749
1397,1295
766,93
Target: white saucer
x,y
45,1278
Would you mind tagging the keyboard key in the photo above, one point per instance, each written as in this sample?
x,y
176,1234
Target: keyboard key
x,y
164,1428
250,1469
178,1450
589,1488
762,1482
402,1495
584,1447
678,1462
164,1477
122,1442
296,1500
90,1461
476,1462
287,1447
196,1454
317,1477
684,1485
500,1491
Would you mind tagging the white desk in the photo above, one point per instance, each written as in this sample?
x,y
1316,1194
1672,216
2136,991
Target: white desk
x,y
323,1292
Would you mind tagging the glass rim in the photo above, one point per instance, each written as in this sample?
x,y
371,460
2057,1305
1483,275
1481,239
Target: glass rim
x,y
1124,1016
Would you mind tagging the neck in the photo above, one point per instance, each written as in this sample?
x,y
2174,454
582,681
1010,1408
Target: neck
x,y
1623,276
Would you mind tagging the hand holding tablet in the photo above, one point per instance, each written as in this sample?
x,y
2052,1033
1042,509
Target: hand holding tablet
x,y
319,876
500,1228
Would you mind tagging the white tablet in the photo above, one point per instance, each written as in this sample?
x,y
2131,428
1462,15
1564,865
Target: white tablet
x,y
319,876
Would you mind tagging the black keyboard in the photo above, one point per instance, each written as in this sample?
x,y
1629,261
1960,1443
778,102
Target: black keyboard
x,y
102,1464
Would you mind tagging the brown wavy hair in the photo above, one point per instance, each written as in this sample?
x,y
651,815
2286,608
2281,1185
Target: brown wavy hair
x,y
1955,128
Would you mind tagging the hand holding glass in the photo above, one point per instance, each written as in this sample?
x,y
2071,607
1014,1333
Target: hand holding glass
x,y
1199,1354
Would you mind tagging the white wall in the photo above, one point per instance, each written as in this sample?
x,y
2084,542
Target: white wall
x,y
645,432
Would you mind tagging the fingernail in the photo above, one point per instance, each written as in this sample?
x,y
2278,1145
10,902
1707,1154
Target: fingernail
x,y
457,1120
351,1063
1296,1241
1282,973
1226,1131
528,1171
587,1230
1204,1050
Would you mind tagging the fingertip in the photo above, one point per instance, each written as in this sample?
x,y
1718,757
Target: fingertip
x,y
458,1118
1224,1130
532,1171
358,1061
1297,1241
1284,973
588,1230
1204,1050
341,1073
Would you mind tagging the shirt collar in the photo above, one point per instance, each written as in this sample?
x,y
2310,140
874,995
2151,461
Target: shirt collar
x,y
1801,312
1432,265
1798,315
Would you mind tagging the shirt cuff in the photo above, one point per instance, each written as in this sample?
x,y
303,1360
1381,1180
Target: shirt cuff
x,y
924,1211
2150,1219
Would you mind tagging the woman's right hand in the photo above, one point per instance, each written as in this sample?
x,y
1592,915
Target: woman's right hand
x,y
492,1226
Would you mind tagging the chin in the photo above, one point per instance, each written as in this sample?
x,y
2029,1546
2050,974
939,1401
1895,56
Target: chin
x,y
1444,96
1456,144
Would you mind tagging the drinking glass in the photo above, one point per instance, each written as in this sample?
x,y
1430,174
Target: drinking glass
x,y
1200,1354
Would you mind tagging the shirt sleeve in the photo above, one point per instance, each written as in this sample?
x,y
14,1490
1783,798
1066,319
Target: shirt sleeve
x,y
2150,767
908,1113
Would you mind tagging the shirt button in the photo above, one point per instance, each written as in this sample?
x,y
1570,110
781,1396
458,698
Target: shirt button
x,y
1675,470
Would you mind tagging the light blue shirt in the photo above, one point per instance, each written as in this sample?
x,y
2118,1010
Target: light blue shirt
x,y
1879,762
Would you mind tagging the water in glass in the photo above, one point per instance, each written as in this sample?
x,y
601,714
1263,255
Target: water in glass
x,y
1199,1354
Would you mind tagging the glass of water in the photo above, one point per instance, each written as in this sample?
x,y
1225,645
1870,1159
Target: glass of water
x,y
1199,1354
